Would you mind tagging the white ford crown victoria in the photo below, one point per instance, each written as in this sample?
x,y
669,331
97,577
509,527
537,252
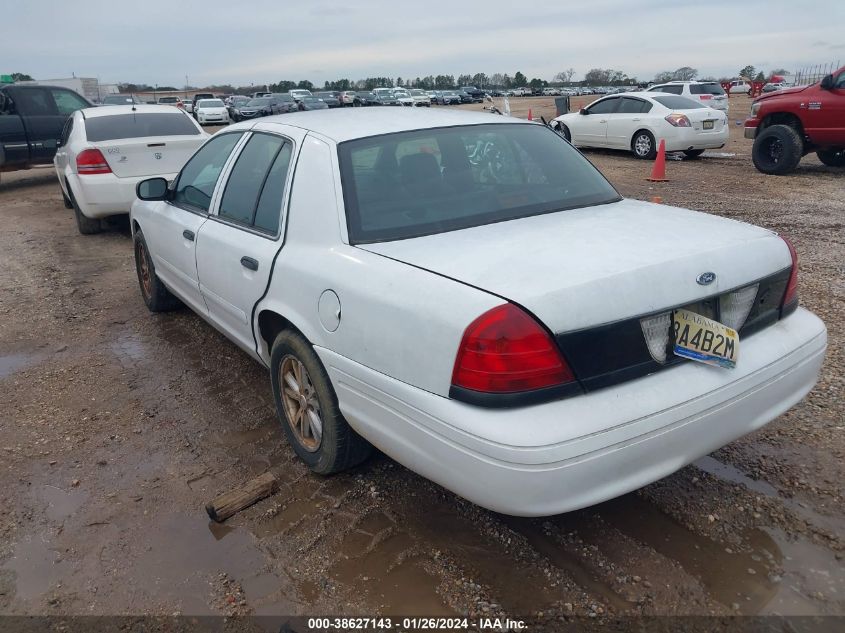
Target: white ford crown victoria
x,y
468,294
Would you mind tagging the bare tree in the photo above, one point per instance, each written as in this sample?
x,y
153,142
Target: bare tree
x,y
565,76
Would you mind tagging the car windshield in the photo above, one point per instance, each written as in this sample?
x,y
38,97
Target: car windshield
x,y
139,125
325,95
678,103
409,184
259,102
706,89
211,103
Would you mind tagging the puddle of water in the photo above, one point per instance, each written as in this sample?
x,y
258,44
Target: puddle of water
x,y
181,553
718,155
37,567
727,472
129,347
61,503
410,590
13,363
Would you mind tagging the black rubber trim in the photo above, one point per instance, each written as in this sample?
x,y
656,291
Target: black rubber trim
x,y
515,399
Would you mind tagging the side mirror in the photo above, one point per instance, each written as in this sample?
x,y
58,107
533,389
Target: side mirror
x,y
152,189
583,111
827,82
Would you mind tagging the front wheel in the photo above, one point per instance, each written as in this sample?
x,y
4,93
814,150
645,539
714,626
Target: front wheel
x,y
643,145
307,406
155,294
832,157
777,150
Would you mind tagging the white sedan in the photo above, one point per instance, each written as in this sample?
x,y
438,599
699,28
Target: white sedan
x,y
638,121
104,152
469,294
211,111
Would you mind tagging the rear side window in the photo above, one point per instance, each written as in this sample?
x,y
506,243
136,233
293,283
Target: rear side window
x,y
253,195
706,89
35,102
678,103
675,90
139,125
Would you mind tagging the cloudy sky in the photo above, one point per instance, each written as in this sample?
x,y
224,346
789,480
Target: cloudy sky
x,y
259,41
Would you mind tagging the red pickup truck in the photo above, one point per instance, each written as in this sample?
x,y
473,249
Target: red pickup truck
x,y
787,124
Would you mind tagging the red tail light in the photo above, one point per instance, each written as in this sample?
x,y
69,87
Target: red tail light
x,y
505,351
705,97
91,161
678,120
790,295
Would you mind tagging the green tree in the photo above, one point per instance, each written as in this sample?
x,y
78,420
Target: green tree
x,y
285,85
748,72
21,77
519,79
305,85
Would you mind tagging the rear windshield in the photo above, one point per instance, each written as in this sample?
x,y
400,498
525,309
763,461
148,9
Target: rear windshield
x,y
139,125
706,89
409,184
678,103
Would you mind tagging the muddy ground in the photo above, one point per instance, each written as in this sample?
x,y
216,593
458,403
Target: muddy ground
x,y
117,426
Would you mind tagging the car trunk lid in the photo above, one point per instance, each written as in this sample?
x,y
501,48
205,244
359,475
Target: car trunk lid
x,y
149,156
581,268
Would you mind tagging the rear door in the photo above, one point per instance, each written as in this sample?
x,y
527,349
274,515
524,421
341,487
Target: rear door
x,y
592,127
172,229
145,143
236,248
42,120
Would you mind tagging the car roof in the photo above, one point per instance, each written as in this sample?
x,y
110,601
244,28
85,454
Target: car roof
x,y
346,124
90,113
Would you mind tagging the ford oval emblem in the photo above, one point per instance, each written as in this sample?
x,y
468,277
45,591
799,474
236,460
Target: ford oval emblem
x,y
705,279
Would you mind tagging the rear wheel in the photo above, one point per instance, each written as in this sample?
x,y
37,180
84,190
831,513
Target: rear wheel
x,y
832,157
307,405
86,225
643,145
155,294
66,200
777,150
693,153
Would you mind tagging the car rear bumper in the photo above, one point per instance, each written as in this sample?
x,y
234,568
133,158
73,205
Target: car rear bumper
x,y
102,195
564,455
688,138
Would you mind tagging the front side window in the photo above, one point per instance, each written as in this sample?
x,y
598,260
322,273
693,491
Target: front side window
x,y
605,106
253,195
409,184
840,82
199,176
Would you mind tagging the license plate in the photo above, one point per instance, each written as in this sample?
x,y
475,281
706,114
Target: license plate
x,y
707,125
704,340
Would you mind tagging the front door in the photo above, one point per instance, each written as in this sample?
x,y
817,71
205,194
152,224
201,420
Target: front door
x,y
172,235
236,248
592,127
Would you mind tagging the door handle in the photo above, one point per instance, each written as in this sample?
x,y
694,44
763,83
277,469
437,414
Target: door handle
x,y
188,235
603,121
249,262
635,119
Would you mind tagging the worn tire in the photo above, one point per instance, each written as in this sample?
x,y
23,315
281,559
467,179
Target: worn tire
x,y
339,446
832,157
155,294
777,150
693,153
66,200
643,145
86,225
564,132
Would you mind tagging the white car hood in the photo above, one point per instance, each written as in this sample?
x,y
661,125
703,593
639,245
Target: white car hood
x,y
584,267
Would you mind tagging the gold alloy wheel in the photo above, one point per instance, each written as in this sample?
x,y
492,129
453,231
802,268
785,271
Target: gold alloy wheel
x,y
300,401
144,270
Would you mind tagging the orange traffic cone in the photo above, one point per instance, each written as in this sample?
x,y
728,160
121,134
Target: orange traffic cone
x,y
530,118
658,172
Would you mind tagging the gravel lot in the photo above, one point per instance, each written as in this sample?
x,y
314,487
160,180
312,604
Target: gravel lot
x,y
118,426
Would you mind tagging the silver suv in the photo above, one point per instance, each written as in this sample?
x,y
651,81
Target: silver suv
x,y
710,93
